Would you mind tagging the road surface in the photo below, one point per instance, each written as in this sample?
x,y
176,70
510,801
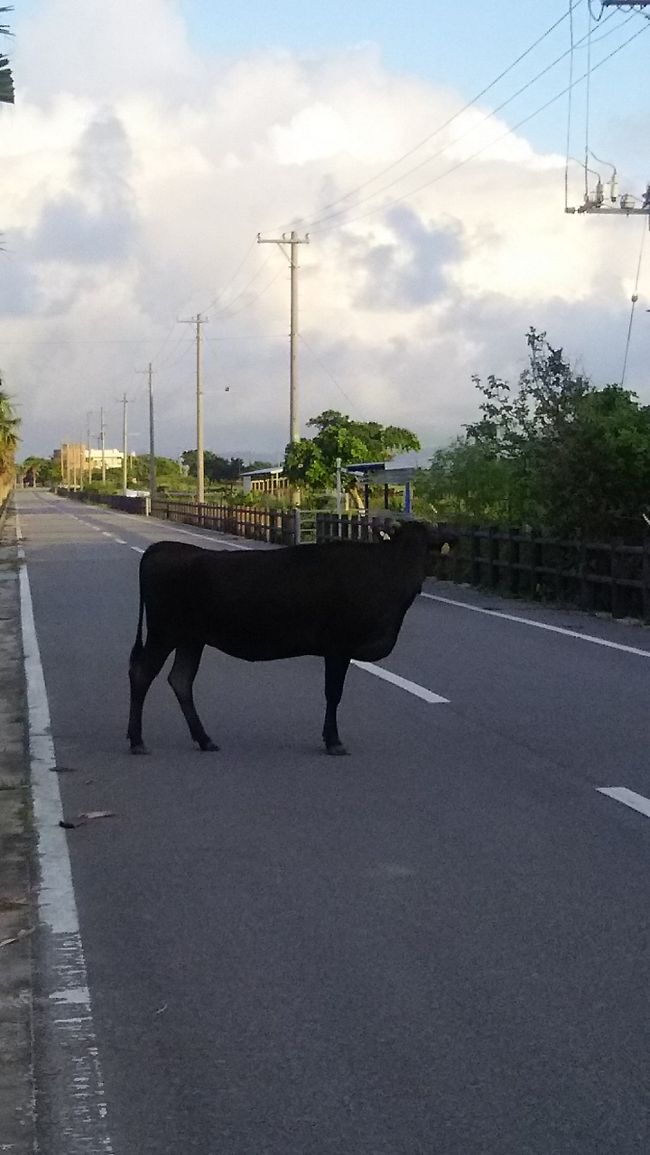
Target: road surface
x,y
437,945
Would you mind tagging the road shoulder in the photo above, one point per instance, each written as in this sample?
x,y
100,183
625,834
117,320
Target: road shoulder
x,y
16,909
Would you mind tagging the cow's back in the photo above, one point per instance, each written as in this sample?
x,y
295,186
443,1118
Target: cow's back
x,y
342,598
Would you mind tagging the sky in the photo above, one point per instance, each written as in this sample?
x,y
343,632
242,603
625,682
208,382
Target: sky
x,y
420,147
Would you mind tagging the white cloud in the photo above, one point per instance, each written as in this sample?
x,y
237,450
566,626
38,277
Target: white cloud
x,y
137,175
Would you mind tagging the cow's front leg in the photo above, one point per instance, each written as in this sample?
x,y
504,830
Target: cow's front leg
x,y
335,671
181,679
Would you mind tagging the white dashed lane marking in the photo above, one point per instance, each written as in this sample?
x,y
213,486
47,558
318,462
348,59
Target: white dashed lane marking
x,y
402,683
627,797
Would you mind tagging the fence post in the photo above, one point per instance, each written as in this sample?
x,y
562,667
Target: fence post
x,y
585,590
616,606
513,561
296,526
493,551
476,555
646,579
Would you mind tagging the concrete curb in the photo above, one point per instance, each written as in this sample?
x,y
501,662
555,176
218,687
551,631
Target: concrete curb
x,y
17,914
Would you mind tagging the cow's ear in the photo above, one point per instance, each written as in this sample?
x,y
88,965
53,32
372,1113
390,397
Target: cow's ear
x,y
448,540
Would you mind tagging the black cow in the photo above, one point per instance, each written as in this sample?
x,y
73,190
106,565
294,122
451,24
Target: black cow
x,y
339,600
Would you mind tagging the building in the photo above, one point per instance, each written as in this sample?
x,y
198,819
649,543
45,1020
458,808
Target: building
x,y
76,461
271,481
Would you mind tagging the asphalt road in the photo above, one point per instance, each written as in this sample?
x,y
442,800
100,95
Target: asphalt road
x,y
437,946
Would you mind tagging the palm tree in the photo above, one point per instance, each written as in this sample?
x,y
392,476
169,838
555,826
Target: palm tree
x,y
6,78
9,438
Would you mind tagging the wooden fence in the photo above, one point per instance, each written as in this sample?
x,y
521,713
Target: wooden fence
x,y
609,577
277,526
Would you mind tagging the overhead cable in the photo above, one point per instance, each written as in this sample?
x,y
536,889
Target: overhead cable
x,y
490,144
471,128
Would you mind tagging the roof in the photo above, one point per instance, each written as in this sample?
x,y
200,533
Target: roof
x,y
262,472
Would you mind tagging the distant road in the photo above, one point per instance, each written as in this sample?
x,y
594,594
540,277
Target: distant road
x,y
437,946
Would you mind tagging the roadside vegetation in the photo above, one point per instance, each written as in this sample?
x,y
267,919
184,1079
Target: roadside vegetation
x,y
554,452
9,426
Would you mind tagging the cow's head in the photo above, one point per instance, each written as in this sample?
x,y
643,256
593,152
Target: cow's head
x,y
439,539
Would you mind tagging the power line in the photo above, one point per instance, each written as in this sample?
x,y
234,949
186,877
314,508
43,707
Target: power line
x,y
490,144
226,310
470,129
449,121
634,299
234,277
228,313
326,370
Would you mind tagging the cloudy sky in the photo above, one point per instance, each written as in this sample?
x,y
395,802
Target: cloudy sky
x,y
151,142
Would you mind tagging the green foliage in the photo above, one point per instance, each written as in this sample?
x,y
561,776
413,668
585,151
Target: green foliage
x,y
6,76
167,470
218,468
467,483
312,461
9,426
556,452
39,471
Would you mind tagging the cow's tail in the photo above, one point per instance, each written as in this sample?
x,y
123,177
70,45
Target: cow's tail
x,y
138,647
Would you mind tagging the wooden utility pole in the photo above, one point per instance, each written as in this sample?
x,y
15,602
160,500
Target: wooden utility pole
x,y
288,246
124,445
200,461
152,456
102,441
90,460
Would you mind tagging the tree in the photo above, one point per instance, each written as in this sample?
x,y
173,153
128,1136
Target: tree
x,y
594,480
312,461
556,452
6,77
465,481
219,468
166,469
39,471
9,426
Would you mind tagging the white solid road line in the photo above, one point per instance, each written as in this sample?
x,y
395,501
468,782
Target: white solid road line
x,y
402,683
67,1014
541,626
627,797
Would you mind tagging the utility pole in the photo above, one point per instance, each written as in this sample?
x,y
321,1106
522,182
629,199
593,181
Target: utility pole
x,y
82,464
288,246
152,457
90,460
102,441
124,445
200,466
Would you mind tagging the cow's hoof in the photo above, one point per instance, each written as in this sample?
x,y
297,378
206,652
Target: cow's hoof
x,y
209,745
338,750
140,748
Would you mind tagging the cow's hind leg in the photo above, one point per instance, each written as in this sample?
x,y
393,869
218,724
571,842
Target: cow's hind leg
x,y
181,679
335,671
146,662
